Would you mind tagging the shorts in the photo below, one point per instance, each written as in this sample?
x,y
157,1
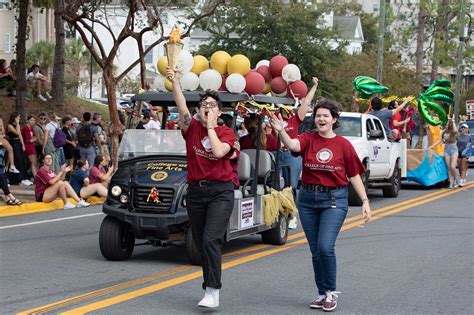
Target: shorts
x,y
450,149
39,198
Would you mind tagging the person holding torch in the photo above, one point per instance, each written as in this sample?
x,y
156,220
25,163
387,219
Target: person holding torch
x,y
210,195
329,164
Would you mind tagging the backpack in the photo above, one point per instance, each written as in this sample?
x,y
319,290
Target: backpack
x,y
85,137
59,138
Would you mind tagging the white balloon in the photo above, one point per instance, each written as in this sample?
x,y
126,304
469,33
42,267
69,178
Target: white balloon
x,y
235,83
262,62
210,80
159,83
190,81
186,62
291,73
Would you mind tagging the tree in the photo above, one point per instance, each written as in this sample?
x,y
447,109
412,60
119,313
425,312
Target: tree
x,y
22,33
41,53
141,16
420,39
58,70
263,29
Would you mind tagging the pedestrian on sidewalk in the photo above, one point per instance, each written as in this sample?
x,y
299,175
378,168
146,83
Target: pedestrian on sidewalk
x,y
8,148
86,139
16,140
29,138
329,163
210,195
49,185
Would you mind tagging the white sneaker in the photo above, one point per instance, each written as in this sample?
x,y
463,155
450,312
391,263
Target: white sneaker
x,y
293,224
13,169
69,205
462,182
82,203
48,95
211,298
41,97
26,182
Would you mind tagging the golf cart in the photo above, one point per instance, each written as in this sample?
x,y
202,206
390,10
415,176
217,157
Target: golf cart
x,y
146,198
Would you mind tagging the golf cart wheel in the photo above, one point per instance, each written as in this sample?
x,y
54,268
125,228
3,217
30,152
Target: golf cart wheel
x,y
116,239
191,249
277,235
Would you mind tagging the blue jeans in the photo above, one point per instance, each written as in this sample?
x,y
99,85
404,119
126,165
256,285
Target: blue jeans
x,y
88,154
295,163
322,215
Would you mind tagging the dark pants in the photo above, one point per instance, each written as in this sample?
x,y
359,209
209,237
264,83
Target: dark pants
x,y
209,208
4,182
322,215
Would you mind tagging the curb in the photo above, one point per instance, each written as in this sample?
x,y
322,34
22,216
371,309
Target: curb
x,y
37,207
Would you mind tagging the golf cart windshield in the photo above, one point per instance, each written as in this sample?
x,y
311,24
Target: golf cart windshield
x,y
142,142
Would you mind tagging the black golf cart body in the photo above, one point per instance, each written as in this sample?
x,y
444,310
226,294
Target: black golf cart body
x,y
146,198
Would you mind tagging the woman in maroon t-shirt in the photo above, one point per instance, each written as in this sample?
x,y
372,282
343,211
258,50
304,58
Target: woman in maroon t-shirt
x,y
49,185
210,195
267,141
29,138
329,163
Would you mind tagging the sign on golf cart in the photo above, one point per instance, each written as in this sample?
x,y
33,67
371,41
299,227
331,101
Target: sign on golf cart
x,y
147,194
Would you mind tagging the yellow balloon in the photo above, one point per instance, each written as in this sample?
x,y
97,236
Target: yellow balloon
x,y
267,88
162,64
238,64
200,64
168,85
219,61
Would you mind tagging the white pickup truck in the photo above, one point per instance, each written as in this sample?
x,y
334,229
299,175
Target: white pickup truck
x,y
384,161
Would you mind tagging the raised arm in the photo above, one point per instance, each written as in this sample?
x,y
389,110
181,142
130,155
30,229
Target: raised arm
x,y
279,127
184,114
308,99
402,106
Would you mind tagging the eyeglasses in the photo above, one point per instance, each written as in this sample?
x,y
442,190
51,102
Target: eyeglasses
x,y
208,104
42,118
48,158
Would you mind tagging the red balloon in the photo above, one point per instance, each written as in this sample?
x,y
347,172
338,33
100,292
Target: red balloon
x,y
297,89
278,85
276,65
265,72
223,87
254,83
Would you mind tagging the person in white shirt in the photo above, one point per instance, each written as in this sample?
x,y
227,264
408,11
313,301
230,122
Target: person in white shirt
x,y
154,123
37,80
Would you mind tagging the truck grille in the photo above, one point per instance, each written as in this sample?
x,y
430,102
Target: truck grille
x,y
140,200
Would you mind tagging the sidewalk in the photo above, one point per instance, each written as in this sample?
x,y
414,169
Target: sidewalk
x,y
27,196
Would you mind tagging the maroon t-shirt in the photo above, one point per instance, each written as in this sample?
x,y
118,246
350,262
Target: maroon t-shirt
x,y
293,125
42,179
328,161
202,163
247,143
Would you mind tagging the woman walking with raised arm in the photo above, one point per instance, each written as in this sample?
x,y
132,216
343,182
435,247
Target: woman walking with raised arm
x,y
329,164
210,195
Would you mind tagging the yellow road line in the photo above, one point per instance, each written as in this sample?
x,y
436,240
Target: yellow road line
x,y
185,278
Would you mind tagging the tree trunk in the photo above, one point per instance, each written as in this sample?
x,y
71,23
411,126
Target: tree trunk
x,y
116,126
21,57
440,27
420,40
58,70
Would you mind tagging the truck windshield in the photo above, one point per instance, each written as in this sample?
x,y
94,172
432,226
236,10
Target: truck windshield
x,y
349,127
142,142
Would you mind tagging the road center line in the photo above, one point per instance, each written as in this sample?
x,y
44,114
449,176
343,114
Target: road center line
x,y
49,221
185,278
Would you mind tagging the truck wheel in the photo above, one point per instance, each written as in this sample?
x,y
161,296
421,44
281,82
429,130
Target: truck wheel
x,y
395,184
191,249
277,235
354,199
116,239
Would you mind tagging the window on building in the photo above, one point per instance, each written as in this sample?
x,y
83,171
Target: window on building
x,y
4,4
7,43
376,7
149,56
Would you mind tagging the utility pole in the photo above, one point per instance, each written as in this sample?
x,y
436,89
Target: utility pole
x,y
380,48
460,67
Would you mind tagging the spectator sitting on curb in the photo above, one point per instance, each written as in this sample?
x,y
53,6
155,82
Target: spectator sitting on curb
x,y
49,186
9,198
97,174
81,184
38,81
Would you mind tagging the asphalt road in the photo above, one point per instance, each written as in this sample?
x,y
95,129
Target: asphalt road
x,y
415,257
